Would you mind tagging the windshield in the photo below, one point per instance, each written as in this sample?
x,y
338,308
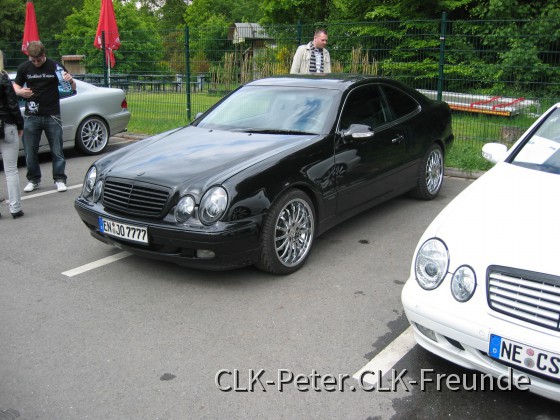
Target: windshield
x,y
273,109
542,150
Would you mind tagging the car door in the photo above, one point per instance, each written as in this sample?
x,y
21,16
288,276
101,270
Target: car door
x,y
403,112
367,162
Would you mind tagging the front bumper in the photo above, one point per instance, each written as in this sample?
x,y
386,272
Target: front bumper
x,y
463,337
234,245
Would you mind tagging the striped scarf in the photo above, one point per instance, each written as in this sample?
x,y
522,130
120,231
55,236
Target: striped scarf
x,y
316,61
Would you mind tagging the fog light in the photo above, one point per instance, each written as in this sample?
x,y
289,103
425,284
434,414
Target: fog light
x,y
205,254
427,332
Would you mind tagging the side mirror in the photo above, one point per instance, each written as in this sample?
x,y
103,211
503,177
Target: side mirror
x,y
358,131
494,152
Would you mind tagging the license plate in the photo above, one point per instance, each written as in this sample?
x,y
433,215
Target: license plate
x,y
124,231
528,357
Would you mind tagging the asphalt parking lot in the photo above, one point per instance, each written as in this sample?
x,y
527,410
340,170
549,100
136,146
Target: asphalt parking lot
x,y
88,331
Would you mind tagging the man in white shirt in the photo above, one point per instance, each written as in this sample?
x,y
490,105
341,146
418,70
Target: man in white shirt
x,y
313,57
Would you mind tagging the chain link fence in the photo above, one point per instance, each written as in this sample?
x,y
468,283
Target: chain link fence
x,y
497,76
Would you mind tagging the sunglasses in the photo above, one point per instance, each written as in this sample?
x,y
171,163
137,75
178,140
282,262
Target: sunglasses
x,y
37,60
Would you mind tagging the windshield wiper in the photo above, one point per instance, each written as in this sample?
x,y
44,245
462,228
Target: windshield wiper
x,y
270,131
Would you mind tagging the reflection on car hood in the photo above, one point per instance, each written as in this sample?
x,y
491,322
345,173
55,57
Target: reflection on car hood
x,y
192,153
510,217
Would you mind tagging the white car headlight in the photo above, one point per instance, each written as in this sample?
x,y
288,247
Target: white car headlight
x,y
89,182
432,262
213,205
463,283
184,209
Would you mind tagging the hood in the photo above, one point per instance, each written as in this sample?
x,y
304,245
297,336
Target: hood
x,y
193,154
510,217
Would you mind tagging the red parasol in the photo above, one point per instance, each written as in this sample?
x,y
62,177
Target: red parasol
x,y
30,31
108,25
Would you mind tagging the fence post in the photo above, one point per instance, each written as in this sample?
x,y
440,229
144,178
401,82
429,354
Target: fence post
x,y
188,71
441,55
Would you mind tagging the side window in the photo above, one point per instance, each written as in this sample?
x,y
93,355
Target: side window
x,y
363,106
401,103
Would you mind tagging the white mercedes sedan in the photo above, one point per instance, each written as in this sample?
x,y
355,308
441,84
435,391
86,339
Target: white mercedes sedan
x,y
484,285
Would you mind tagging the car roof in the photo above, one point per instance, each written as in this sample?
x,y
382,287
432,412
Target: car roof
x,y
335,81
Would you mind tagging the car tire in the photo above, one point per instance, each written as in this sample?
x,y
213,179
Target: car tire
x,y
431,174
287,234
92,136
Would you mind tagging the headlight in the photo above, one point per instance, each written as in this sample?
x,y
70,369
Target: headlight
x,y
432,262
89,182
213,205
463,283
184,209
97,190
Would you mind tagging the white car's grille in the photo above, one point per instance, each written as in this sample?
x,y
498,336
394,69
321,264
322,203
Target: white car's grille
x,y
134,198
532,297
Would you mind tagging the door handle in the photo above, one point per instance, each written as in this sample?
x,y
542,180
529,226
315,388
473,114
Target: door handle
x,y
397,139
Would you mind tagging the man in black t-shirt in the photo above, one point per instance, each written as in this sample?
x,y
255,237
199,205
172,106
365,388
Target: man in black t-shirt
x,y
42,112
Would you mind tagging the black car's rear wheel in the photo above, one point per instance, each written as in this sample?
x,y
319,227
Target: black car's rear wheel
x,y
431,174
92,136
288,232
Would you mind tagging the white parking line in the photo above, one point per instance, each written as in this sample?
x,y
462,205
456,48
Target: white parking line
x,y
96,264
27,196
387,358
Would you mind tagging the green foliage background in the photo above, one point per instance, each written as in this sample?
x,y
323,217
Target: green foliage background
x,y
508,47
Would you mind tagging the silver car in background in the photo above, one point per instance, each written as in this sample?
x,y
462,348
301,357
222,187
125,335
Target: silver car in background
x,y
89,117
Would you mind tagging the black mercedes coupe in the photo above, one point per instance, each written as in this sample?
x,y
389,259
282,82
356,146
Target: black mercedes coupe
x,y
277,162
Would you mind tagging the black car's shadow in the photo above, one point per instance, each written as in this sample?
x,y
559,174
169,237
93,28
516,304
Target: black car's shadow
x,y
250,276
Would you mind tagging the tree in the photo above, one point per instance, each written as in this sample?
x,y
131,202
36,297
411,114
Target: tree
x,y
141,47
12,16
51,16
413,9
523,31
200,12
169,13
292,11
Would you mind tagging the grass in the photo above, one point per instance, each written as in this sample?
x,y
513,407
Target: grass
x,y
467,156
156,112
472,131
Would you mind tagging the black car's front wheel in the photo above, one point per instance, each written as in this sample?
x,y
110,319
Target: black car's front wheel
x,y
430,178
288,232
92,136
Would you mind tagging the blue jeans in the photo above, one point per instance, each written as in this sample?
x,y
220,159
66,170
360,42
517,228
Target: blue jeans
x,y
34,127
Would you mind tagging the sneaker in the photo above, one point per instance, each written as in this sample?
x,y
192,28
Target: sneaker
x,y
31,187
60,186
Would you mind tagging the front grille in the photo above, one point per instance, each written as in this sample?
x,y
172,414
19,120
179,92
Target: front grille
x,y
135,198
529,296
